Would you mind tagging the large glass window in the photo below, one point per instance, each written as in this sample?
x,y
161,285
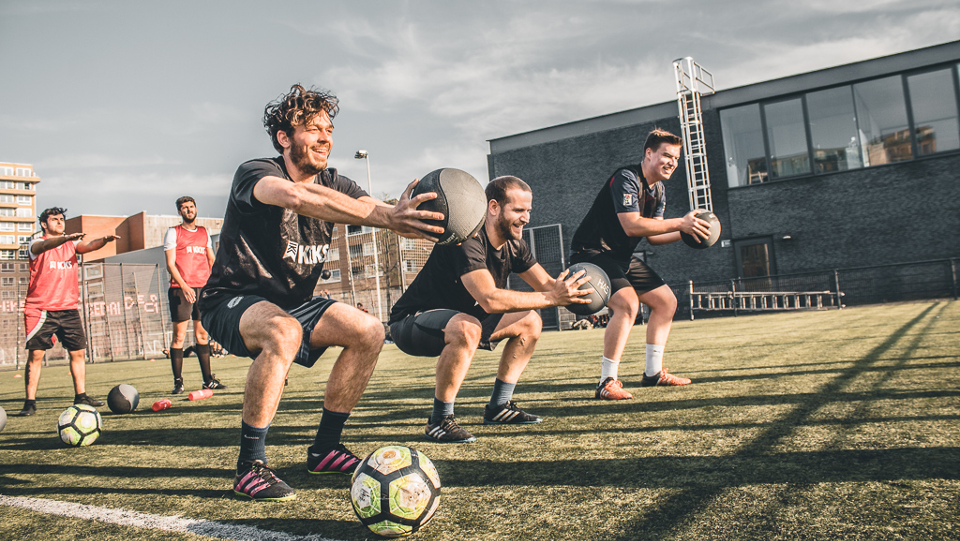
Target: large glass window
x,y
882,117
743,145
934,106
787,138
833,130
849,127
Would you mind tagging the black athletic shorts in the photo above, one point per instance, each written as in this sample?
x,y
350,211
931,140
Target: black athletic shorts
x,y
222,322
421,334
42,325
180,308
633,273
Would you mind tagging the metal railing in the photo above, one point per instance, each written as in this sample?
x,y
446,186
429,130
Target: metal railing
x,y
895,282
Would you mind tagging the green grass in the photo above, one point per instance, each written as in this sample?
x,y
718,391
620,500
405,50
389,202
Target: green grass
x,y
840,424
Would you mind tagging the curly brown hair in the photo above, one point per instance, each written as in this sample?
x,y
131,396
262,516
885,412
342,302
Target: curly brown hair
x,y
296,108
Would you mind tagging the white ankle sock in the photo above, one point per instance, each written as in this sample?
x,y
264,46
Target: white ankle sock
x,y
654,360
610,369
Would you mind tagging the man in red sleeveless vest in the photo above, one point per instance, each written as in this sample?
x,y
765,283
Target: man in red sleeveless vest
x,y
190,256
50,309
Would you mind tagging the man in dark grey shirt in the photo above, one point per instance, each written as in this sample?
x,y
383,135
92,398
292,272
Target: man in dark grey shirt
x,y
258,301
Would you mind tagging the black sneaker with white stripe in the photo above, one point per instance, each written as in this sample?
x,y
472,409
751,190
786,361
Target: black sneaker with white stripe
x,y
448,431
508,414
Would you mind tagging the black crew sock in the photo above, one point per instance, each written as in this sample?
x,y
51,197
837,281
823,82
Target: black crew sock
x,y
502,393
440,410
176,362
253,444
329,431
203,353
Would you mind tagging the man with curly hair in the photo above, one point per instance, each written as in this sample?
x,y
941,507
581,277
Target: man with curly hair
x,y
258,301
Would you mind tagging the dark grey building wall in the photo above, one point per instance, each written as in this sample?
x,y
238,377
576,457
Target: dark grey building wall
x,y
566,175
894,213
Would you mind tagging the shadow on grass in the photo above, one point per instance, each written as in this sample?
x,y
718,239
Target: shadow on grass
x,y
678,510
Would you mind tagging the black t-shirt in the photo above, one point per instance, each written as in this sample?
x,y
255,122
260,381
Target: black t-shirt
x,y
439,286
626,191
267,250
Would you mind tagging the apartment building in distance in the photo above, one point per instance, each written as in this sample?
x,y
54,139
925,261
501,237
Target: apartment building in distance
x,y
18,211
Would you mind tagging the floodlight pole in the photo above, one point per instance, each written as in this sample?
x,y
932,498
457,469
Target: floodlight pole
x,y
363,155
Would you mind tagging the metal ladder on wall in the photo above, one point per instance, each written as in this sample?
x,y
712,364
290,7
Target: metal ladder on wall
x,y
692,81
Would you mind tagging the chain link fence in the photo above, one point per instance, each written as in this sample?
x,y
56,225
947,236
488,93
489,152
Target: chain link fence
x,y
126,314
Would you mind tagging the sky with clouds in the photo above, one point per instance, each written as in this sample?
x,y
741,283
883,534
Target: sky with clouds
x,y
124,106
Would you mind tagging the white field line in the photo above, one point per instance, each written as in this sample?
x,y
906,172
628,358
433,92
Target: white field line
x,y
124,517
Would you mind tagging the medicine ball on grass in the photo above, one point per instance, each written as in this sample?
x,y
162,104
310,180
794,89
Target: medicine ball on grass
x,y
598,285
691,241
461,200
123,398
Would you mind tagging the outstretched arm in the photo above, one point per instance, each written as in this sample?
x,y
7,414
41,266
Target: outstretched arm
x,y
323,203
50,243
493,300
661,231
95,244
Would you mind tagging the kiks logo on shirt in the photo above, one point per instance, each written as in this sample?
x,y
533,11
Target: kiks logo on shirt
x,y
310,255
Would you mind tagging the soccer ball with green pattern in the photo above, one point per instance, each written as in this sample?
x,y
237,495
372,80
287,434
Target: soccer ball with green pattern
x,y
79,425
395,491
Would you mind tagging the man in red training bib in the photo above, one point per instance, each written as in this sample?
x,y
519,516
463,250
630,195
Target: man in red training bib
x,y
50,309
190,257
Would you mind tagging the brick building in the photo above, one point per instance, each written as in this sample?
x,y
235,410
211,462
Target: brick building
x,y
855,165
18,211
136,232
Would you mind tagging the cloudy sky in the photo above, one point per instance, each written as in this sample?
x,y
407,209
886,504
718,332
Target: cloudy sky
x,y
122,106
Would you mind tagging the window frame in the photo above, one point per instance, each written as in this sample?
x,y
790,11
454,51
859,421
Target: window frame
x,y
953,66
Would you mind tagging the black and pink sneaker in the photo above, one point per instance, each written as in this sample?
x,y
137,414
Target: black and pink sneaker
x,y
337,460
258,482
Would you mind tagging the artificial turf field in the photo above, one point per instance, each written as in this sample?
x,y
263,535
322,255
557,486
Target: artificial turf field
x,y
807,425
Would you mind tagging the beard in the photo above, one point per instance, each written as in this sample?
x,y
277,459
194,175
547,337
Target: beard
x,y
300,154
503,227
